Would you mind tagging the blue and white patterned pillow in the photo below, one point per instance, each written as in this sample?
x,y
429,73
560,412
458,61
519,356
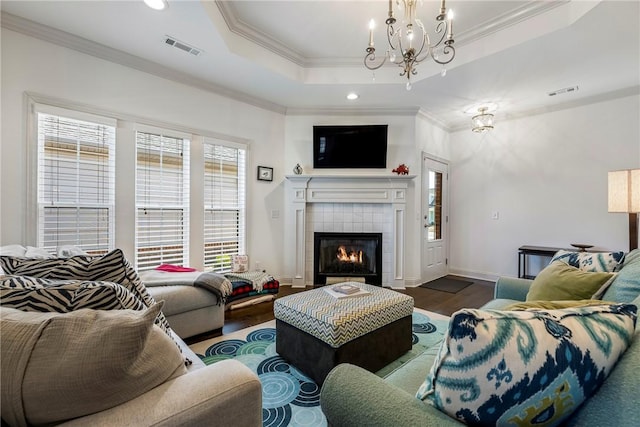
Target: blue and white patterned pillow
x,y
530,367
590,261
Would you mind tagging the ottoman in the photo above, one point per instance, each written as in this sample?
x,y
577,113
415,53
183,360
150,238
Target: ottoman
x,y
316,331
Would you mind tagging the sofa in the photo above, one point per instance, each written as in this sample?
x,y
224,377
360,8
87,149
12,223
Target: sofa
x,y
85,343
353,396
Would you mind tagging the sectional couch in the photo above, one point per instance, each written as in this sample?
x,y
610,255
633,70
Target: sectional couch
x,y
352,396
85,343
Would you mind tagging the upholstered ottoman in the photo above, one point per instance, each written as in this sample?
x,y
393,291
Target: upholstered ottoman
x,y
316,331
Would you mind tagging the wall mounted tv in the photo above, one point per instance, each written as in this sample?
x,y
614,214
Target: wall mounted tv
x,y
347,147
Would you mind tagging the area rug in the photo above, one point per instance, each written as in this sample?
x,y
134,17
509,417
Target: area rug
x,y
290,398
446,284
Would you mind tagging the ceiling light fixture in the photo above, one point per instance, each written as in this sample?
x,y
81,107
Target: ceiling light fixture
x,y
482,122
352,96
157,4
410,48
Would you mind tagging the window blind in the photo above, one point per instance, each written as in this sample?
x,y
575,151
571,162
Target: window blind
x,y
76,180
162,200
224,204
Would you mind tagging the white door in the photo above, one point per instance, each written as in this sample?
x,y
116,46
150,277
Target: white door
x,y
435,218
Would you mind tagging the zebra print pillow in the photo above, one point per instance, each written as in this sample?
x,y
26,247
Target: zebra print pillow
x,y
112,267
63,296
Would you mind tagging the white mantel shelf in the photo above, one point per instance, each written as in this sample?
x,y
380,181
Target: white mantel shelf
x,y
349,177
372,188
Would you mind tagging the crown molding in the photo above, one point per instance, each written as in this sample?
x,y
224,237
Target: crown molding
x,y
237,26
507,19
82,45
243,29
371,111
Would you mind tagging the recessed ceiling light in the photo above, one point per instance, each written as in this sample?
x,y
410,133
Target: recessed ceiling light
x,y
352,96
157,4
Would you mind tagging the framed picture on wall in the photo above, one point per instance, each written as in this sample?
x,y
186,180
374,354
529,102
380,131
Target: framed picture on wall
x,y
265,173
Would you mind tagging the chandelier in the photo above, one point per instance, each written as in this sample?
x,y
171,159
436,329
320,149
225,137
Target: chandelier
x,y
409,43
483,121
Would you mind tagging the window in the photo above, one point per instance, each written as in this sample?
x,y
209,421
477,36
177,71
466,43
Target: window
x,y
224,205
162,200
76,177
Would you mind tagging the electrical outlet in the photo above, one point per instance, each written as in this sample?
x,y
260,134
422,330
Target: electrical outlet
x,y
275,214
495,215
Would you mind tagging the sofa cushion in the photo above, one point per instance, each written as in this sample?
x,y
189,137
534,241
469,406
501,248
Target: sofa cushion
x,y
111,267
59,366
560,281
526,367
625,287
590,261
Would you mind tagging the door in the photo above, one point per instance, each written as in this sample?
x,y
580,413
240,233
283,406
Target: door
x,y
435,218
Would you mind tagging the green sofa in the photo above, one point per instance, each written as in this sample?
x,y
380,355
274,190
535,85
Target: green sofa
x,y
353,396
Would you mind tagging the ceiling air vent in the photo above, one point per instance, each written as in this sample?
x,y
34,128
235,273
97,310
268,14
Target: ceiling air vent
x,y
564,90
171,41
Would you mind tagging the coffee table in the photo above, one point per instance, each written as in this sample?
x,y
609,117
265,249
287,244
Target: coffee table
x,y
316,331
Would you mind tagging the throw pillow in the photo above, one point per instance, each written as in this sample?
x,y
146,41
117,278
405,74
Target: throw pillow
x,y
590,261
13,250
526,367
111,267
553,305
560,281
63,296
626,285
56,366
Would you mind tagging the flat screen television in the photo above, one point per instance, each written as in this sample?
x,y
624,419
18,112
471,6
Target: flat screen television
x,y
347,147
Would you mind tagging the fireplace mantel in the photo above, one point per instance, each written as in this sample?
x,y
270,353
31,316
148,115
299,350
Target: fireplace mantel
x,y
375,188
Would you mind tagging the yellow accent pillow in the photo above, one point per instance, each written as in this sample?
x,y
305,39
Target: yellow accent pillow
x,y
554,305
560,281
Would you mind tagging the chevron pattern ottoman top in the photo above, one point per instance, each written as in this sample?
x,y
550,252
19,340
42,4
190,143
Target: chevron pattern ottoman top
x,y
337,321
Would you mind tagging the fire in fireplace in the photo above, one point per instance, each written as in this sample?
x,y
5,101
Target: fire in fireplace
x,y
348,255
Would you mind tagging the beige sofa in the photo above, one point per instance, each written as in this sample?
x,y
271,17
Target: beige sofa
x,y
225,393
189,310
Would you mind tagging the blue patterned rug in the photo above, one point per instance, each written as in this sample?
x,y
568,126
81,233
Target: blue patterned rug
x,y
290,398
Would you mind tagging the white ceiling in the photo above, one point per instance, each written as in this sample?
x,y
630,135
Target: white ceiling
x,y
306,55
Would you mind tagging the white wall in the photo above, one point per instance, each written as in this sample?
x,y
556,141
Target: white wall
x,y
546,175
35,66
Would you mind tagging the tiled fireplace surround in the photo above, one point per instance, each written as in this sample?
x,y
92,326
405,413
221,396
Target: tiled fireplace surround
x,y
346,204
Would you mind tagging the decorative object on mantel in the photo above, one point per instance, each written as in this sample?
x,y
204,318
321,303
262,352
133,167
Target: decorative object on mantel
x,y
297,169
624,196
401,50
581,246
402,169
265,173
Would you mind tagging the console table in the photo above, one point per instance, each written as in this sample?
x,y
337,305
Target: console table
x,y
524,251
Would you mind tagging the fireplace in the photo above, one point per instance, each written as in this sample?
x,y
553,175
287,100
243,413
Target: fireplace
x,y
347,255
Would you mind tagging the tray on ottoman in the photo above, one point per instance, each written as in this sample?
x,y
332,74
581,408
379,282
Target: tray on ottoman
x,y
316,331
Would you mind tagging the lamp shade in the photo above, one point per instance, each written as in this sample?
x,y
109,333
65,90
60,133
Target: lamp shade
x,y
624,191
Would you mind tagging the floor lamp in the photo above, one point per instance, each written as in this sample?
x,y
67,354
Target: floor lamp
x,y
624,196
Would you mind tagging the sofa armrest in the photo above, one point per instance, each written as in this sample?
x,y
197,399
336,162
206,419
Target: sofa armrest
x,y
512,288
225,393
353,396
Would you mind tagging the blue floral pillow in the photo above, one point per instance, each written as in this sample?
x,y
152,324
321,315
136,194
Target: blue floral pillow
x,y
530,367
590,261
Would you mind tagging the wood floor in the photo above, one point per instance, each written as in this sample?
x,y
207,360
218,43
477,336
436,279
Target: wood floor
x,y
473,296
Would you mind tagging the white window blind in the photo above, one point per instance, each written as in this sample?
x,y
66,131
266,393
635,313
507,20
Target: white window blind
x,y
162,200
224,205
76,179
